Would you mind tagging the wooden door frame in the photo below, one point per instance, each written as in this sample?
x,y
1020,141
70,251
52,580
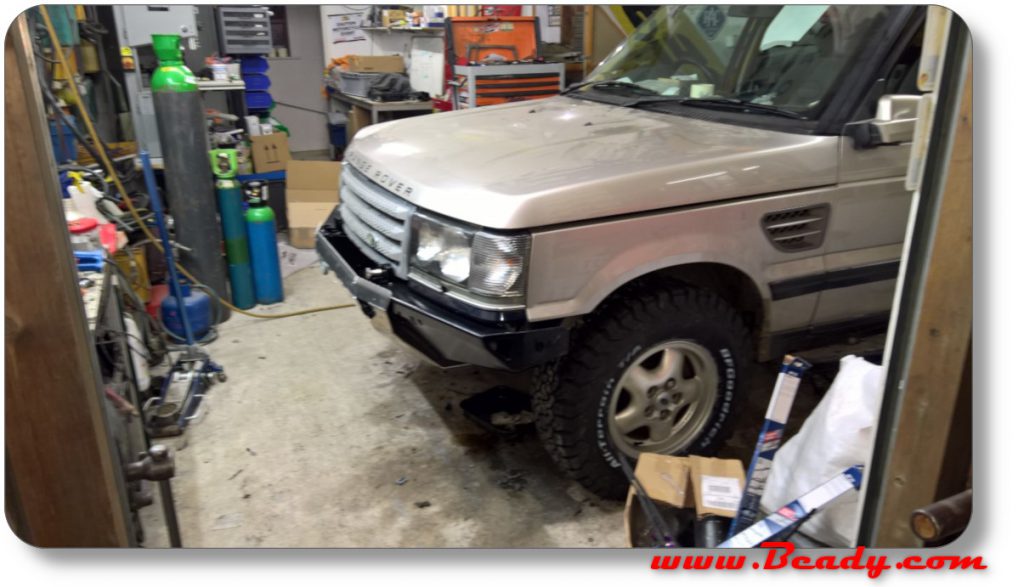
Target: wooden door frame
x,y
62,478
923,447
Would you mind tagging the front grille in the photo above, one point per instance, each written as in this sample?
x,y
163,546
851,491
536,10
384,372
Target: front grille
x,y
376,220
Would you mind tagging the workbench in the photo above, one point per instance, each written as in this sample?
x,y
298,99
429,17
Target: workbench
x,y
354,108
375,107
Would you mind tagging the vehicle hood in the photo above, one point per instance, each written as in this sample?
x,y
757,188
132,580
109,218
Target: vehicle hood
x,y
559,160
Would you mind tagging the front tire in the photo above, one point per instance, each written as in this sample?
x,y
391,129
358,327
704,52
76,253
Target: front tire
x,y
658,369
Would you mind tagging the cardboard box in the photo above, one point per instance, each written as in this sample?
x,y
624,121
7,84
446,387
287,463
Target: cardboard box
x,y
717,486
665,478
391,17
270,152
311,190
703,485
376,64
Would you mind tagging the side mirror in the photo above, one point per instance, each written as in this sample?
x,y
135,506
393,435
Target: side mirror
x,y
894,122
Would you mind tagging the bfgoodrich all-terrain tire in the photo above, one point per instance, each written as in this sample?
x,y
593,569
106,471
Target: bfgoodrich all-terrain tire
x,y
658,368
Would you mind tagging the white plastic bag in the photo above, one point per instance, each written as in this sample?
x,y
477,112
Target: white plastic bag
x,y
835,436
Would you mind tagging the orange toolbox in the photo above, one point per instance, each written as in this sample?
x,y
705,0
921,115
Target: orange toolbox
x,y
494,60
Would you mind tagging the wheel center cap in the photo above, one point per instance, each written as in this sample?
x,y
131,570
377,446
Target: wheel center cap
x,y
663,399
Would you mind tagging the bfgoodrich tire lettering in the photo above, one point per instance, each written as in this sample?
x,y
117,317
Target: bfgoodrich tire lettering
x,y
573,396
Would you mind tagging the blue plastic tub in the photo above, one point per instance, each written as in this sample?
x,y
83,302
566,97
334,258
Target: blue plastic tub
x,y
256,81
339,135
258,100
254,64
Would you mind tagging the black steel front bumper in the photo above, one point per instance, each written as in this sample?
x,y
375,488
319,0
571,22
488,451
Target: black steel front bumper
x,y
444,335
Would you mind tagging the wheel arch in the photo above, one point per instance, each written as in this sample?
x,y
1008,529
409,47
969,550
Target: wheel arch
x,y
734,285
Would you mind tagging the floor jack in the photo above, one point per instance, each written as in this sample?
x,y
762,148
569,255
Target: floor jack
x,y
194,370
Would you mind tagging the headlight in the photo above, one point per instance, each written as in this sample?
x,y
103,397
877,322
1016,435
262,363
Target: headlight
x,y
455,264
429,244
480,264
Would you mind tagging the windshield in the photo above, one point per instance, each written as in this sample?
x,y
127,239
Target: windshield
x,y
783,57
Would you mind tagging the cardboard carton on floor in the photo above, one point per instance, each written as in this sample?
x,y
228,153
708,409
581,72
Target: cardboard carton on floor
x,y
311,191
376,64
270,152
683,488
717,486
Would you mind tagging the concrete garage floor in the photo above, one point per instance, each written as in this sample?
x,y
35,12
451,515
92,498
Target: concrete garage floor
x,y
326,435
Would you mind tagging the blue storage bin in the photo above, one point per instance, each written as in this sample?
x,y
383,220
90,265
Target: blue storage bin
x,y
65,145
254,64
256,81
339,135
258,100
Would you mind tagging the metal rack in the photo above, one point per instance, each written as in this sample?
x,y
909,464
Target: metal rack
x,y
244,30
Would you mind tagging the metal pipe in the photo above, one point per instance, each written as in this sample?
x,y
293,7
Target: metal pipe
x,y
170,514
943,518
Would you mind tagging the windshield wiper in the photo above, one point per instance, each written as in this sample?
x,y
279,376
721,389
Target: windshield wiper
x,y
610,83
724,103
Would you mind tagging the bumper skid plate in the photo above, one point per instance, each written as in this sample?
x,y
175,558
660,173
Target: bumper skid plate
x,y
442,335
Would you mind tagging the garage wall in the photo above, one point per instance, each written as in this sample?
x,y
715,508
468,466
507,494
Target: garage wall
x,y
206,26
548,33
330,49
607,34
295,81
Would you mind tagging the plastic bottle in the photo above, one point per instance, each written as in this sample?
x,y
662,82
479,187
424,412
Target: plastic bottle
x,y
84,197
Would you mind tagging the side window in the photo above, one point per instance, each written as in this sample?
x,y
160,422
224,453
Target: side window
x,y
899,78
902,77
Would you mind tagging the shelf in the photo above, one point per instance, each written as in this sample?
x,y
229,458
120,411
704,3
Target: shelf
x,y
218,86
374,29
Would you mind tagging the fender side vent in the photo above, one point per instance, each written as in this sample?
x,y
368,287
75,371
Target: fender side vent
x,y
799,229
